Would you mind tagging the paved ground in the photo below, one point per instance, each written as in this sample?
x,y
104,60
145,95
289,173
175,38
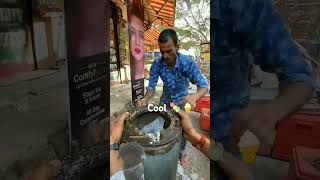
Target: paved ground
x,y
30,110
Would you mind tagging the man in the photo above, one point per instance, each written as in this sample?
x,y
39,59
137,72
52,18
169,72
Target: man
x,y
231,168
175,70
247,31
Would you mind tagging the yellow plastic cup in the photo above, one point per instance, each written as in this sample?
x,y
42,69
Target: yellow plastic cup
x,y
187,107
249,153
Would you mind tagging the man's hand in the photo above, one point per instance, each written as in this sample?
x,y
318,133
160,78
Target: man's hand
x,y
47,171
141,102
259,119
116,128
191,99
188,130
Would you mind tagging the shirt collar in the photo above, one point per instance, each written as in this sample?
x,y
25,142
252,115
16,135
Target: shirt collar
x,y
177,65
216,14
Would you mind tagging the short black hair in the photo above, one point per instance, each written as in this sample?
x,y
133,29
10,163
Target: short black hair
x,y
167,34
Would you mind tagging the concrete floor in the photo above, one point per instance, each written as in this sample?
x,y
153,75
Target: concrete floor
x,y
30,110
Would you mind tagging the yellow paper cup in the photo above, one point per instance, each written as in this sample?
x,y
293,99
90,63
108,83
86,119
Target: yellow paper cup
x,y
249,153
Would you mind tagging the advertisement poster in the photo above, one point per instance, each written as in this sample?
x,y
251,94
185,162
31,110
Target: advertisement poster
x,y
88,74
136,46
88,92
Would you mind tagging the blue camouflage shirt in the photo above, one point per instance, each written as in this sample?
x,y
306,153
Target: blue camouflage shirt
x,y
176,81
245,32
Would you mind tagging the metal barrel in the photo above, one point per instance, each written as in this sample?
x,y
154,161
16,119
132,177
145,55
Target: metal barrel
x,y
161,157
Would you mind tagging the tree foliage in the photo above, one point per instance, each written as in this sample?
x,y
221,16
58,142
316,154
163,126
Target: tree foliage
x,y
192,22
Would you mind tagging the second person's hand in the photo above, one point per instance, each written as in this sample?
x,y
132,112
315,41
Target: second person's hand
x,y
116,128
188,130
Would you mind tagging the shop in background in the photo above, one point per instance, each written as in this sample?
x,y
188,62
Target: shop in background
x,y
204,63
119,48
32,35
15,38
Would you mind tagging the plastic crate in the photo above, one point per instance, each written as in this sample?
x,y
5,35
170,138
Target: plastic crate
x,y
204,121
302,164
299,129
203,102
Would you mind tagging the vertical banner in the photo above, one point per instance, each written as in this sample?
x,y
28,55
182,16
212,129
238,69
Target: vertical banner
x,y
87,52
136,46
88,98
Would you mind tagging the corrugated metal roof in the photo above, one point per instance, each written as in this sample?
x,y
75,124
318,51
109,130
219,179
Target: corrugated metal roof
x,y
158,13
161,12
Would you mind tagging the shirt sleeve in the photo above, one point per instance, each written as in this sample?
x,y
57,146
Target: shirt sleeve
x,y
154,76
196,77
118,176
265,35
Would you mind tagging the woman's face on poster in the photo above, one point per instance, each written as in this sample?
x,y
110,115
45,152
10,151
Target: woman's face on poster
x,y
136,38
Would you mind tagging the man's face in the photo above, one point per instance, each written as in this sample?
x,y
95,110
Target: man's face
x,y
168,51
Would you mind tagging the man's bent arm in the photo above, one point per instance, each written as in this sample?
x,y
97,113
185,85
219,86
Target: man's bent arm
x,y
201,92
153,80
290,99
275,52
148,95
196,77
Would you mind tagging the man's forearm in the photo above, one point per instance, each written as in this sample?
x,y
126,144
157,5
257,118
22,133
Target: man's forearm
x,y
230,166
290,99
148,95
195,137
201,92
116,164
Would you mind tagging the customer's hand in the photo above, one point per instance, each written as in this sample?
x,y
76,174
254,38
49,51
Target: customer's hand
x,y
48,171
260,120
116,128
188,130
141,103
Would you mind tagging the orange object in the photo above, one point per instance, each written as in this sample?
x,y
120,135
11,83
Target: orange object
x,y
304,164
204,121
203,102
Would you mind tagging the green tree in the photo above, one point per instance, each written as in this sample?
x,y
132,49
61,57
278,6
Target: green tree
x,y
192,22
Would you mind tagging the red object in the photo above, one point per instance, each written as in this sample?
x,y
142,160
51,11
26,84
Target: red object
x,y
12,69
301,167
204,121
203,102
299,129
